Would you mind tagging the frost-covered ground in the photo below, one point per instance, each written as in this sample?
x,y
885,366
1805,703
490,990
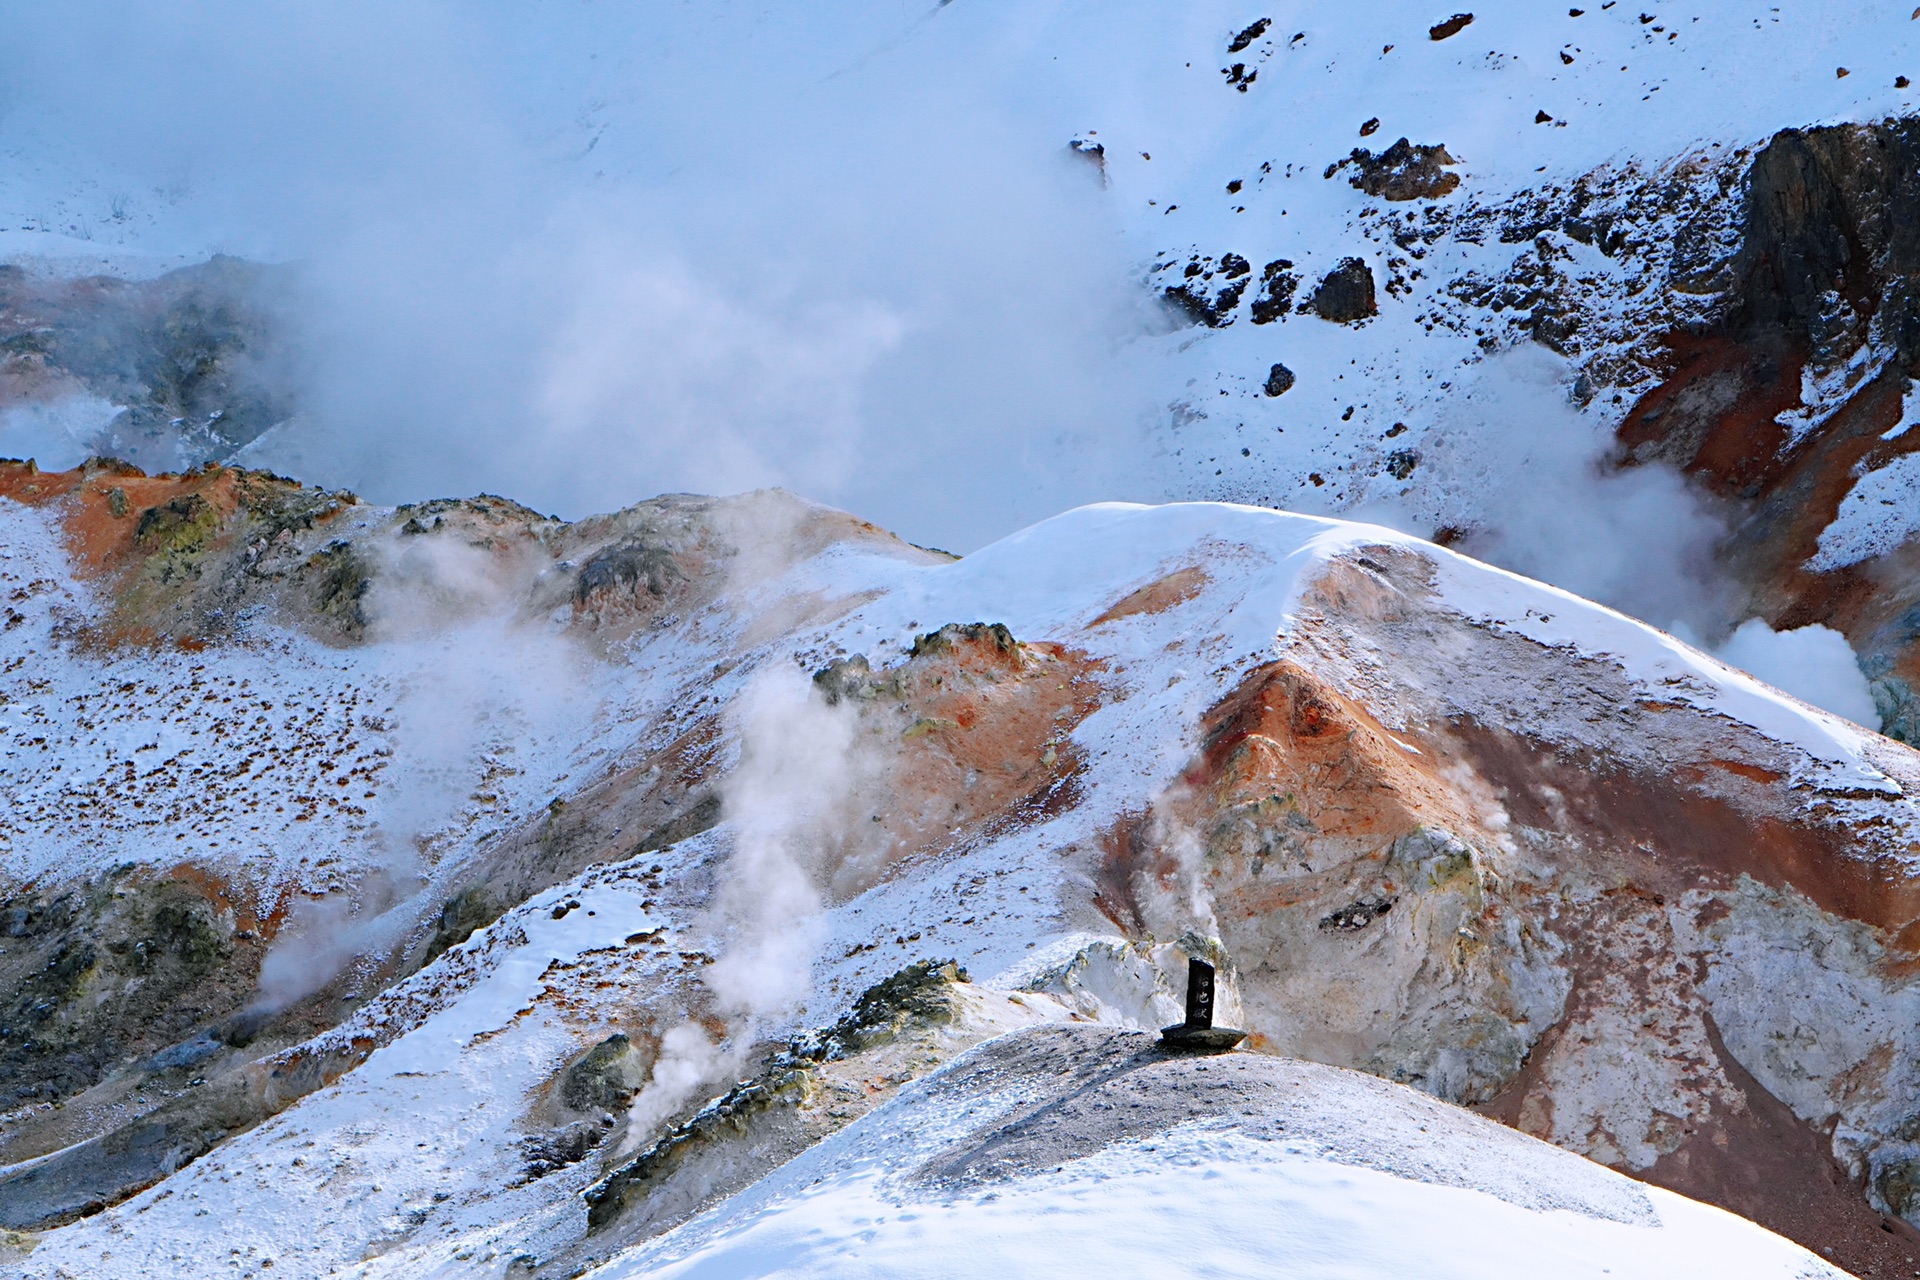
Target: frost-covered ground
x,y
416,1153
1377,1183
279,755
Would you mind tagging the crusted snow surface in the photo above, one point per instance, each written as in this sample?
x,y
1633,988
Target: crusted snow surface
x,y
1833,753
984,1170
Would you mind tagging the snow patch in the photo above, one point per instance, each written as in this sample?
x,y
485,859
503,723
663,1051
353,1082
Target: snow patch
x,y
1879,515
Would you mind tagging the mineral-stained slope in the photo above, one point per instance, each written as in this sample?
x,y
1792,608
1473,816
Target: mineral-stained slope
x,y
445,886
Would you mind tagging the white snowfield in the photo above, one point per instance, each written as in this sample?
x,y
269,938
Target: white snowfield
x,y
1300,1171
410,1165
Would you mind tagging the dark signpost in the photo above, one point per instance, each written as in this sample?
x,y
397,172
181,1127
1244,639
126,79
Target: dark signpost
x,y
1199,993
1198,1031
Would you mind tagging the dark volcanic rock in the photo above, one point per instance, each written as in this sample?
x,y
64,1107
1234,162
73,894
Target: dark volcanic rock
x,y
1828,252
107,971
195,356
605,1077
1404,171
1192,303
1346,296
1246,37
1277,286
1819,293
1279,380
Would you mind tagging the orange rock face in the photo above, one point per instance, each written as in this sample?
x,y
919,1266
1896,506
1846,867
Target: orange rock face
x,y
1590,944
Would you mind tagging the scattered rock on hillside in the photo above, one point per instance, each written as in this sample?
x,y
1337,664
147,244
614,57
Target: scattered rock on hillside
x,y
1279,380
1277,285
1404,171
1195,301
1249,35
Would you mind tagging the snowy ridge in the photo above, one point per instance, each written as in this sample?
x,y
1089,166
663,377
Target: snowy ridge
x,y
1339,1175
1173,609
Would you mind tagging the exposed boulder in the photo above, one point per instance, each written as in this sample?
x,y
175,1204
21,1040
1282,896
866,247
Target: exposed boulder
x,y
605,1077
1345,295
1404,171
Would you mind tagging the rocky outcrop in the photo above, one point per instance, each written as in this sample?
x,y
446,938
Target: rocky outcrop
x,y
800,1093
113,970
194,361
1751,322
1346,295
1791,393
1199,298
1403,171
1606,939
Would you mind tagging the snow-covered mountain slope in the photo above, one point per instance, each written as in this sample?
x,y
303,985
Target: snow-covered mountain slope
x,y
1673,239
665,788
1086,1150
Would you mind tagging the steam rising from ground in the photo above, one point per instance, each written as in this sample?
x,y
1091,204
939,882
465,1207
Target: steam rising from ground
x,y
584,255
1514,447
1815,664
475,689
1640,539
795,806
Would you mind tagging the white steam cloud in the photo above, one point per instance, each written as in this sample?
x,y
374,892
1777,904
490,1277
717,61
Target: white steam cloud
x,y
479,697
1640,539
1815,664
320,938
794,807
1529,475
585,255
